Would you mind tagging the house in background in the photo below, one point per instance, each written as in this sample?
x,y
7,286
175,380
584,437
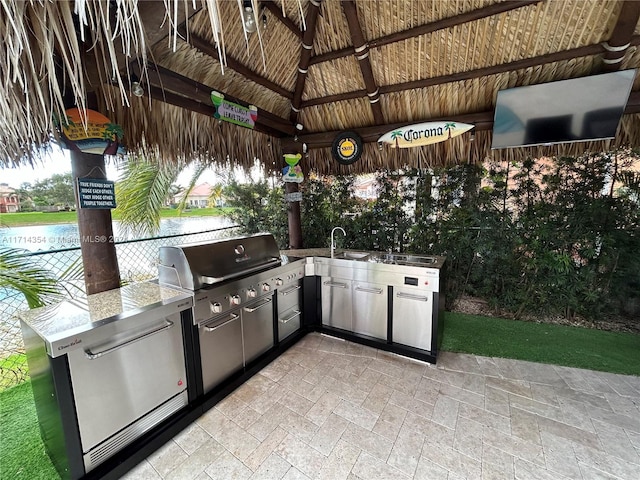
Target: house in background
x,y
9,201
198,197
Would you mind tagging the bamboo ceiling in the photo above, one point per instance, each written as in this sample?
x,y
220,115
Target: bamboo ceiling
x,y
426,60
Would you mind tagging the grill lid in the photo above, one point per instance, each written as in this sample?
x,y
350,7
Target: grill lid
x,y
201,265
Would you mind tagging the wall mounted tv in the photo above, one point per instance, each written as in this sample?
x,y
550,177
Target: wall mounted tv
x,y
575,110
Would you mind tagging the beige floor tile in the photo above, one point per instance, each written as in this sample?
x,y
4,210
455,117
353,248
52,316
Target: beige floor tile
x,y
294,474
197,462
445,411
356,414
435,432
452,460
468,438
606,463
614,441
298,425
529,471
524,425
484,417
168,457
409,403
191,438
427,470
372,468
568,432
266,448
227,466
321,410
308,460
340,462
370,442
406,451
513,445
559,456
329,434
496,460
387,430
273,468
142,471
295,402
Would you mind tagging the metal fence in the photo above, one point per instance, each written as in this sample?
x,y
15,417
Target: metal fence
x,y
137,260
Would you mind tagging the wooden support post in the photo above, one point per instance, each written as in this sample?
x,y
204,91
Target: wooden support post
x,y
99,258
295,224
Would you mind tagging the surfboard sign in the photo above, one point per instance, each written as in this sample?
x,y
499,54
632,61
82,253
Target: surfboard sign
x,y
421,134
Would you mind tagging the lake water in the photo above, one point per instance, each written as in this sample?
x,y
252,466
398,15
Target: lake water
x,y
52,237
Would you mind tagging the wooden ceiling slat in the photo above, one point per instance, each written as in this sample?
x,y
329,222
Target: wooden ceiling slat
x,y
449,22
361,52
276,11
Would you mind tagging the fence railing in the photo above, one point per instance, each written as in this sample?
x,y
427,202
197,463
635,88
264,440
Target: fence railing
x,y
137,261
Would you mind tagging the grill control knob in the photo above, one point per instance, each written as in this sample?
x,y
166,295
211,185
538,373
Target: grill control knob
x,y
216,307
266,287
235,299
251,293
279,282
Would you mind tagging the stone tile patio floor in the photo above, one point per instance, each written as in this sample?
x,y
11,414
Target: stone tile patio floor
x,y
331,409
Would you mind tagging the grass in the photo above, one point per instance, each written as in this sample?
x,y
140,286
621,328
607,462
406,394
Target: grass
x,y
542,342
13,363
21,219
22,454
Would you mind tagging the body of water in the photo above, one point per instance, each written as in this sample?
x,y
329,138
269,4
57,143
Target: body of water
x,y
65,235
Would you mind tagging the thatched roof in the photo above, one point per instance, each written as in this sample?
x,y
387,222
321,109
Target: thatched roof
x,y
426,60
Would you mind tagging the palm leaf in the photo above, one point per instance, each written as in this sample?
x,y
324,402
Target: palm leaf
x,y
141,192
20,272
199,170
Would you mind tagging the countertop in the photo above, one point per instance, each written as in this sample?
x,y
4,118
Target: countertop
x,y
67,324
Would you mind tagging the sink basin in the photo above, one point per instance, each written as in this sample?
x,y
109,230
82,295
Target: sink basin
x,y
409,260
352,255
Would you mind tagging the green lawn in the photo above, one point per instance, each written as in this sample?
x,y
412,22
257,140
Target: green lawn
x,y
49,218
541,342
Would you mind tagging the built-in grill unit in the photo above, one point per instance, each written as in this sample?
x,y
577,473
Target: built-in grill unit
x,y
235,284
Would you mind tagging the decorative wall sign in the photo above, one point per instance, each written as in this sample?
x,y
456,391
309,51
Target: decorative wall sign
x,y
101,136
96,193
347,147
292,172
233,112
424,134
293,197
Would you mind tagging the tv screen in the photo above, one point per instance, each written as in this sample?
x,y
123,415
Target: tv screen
x,y
574,110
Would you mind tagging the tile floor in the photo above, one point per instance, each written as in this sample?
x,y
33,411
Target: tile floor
x,y
331,409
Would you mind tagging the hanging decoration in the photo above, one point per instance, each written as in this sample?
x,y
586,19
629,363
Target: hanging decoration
x,y
233,112
292,172
421,134
347,148
91,132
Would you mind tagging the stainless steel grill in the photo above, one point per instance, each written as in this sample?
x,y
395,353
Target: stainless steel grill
x,y
234,282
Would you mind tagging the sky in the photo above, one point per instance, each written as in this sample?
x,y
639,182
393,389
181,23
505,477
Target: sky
x,y
60,162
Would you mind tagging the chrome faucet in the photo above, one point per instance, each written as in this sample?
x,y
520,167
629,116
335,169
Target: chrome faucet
x,y
333,243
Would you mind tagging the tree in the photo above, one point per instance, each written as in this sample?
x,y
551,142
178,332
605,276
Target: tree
x,y
55,190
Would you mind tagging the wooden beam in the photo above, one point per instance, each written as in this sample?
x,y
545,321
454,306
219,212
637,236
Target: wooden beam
x,y
474,15
170,98
276,11
584,51
305,55
481,120
621,37
361,52
208,49
189,89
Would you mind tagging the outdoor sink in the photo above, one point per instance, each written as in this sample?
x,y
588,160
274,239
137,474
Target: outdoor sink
x,y
352,255
409,260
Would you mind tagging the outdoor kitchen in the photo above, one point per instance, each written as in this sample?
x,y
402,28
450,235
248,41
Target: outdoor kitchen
x,y
153,356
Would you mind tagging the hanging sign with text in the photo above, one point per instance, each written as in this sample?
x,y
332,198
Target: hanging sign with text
x,y
233,112
96,193
423,134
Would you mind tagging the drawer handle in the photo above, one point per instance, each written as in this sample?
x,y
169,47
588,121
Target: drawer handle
x,y
253,309
412,297
232,317
93,355
335,284
377,291
295,314
291,290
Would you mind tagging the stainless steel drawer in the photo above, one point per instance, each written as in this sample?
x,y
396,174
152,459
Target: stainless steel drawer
x,y
290,296
289,322
413,317
370,309
257,328
220,349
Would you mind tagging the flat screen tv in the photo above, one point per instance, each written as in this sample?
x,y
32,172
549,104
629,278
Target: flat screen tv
x,y
575,110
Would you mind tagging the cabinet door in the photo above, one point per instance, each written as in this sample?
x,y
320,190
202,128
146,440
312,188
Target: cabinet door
x,y
370,309
257,328
412,318
336,303
220,349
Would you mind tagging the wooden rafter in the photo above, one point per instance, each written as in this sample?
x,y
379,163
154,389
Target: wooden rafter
x,y
572,53
305,55
474,15
621,37
172,85
276,11
361,52
208,49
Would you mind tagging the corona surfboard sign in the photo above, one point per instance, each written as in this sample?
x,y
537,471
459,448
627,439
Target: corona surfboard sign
x,y
421,134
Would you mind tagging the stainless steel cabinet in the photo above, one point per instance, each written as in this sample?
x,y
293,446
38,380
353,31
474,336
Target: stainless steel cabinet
x,y
370,309
220,349
289,310
413,317
257,328
337,303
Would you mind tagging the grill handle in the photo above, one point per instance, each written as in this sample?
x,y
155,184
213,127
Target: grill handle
x,y
93,355
232,317
291,290
253,309
291,317
213,280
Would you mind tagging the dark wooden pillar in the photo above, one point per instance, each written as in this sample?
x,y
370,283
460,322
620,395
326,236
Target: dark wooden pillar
x,y
295,225
101,270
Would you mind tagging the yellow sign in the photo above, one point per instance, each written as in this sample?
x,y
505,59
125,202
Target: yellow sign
x,y
99,134
423,134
